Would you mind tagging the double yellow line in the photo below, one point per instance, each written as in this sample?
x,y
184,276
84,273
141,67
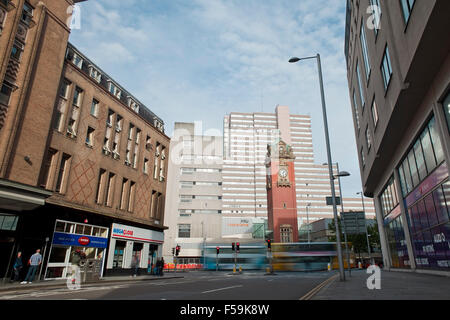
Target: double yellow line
x,y
316,290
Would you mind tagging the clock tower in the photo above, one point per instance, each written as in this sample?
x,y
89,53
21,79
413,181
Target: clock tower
x,y
281,194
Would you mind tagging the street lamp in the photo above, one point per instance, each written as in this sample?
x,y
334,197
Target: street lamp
x,y
330,168
365,224
307,222
338,176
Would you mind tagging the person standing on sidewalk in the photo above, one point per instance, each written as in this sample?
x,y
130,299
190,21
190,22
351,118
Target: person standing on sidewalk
x,y
135,264
34,262
161,271
18,265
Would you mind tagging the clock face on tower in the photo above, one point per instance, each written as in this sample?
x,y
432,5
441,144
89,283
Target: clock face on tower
x,y
283,173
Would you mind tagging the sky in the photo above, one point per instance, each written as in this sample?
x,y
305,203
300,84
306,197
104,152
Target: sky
x,y
198,60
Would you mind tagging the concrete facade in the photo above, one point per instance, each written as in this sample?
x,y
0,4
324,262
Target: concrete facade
x,y
408,109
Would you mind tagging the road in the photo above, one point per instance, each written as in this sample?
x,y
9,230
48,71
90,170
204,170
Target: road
x,y
194,286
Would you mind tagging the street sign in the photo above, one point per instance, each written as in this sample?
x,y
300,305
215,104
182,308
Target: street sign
x,y
354,222
330,201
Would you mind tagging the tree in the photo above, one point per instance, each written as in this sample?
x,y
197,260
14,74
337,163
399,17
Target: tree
x,y
358,241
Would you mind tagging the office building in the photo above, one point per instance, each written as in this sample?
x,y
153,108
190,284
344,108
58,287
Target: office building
x,y
398,66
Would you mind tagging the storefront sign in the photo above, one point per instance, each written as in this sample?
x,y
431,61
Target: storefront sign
x,y
67,239
137,234
428,184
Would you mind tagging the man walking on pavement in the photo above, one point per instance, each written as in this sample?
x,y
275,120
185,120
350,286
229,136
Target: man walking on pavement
x,y
18,265
34,262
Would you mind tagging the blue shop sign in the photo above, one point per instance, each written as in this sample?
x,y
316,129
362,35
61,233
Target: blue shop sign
x,y
67,239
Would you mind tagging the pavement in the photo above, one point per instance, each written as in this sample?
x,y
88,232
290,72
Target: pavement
x,y
394,285
49,284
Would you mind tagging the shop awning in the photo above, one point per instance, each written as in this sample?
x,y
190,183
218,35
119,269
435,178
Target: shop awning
x,y
20,197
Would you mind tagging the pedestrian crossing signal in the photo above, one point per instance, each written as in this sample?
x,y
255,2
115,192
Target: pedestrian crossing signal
x,y
268,244
232,246
218,250
177,250
237,247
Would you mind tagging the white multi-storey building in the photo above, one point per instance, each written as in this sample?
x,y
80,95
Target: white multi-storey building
x,y
246,136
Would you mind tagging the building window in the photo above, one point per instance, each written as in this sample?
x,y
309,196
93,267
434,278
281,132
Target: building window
x,y
90,137
77,60
136,148
17,49
374,113
355,106
63,173
363,158
407,6
94,108
389,198
386,68
133,105
286,234
145,165
132,196
110,189
100,186
5,93
124,196
365,51
447,110
184,231
358,75
421,160
95,74
368,139
77,97
377,15
49,164
114,90
27,13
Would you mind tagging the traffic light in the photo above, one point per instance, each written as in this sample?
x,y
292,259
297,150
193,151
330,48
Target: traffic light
x,y
218,250
268,244
237,247
173,251
232,246
177,250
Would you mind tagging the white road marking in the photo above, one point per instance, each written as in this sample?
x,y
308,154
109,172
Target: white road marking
x,y
222,289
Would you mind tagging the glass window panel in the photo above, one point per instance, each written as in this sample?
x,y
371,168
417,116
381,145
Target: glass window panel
x,y
58,254
413,167
402,181
428,152
431,211
428,248
420,160
437,145
422,215
412,213
60,226
87,230
447,110
446,187
8,222
407,171
79,229
441,208
446,231
439,243
69,228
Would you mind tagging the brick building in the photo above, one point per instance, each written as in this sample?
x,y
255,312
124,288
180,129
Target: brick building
x,y
82,161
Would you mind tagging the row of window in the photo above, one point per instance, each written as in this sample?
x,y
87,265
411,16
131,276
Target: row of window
x,y
389,197
113,135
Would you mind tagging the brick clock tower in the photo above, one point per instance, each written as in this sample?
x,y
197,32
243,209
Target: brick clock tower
x,y
281,195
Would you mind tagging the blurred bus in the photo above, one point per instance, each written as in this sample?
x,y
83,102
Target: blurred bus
x,y
251,257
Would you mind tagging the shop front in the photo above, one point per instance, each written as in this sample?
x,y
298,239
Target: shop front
x,y
71,236
126,242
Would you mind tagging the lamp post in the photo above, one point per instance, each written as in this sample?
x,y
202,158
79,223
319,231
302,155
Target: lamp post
x,y
365,224
330,168
339,175
307,222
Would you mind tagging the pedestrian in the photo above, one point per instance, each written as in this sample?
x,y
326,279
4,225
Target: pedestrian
x,y
75,261
135,264
34,263
161,272
18,265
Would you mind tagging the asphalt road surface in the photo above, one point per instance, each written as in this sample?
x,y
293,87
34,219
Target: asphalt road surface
x,y
194,286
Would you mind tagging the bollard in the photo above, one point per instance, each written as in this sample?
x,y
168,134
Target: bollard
x,y
329,266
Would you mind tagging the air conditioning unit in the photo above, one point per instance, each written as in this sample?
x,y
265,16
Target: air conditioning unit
x,y
108,124
157,154
118,128
162,179
163,157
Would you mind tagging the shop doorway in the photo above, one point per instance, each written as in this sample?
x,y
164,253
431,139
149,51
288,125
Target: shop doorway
x,y
152,258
